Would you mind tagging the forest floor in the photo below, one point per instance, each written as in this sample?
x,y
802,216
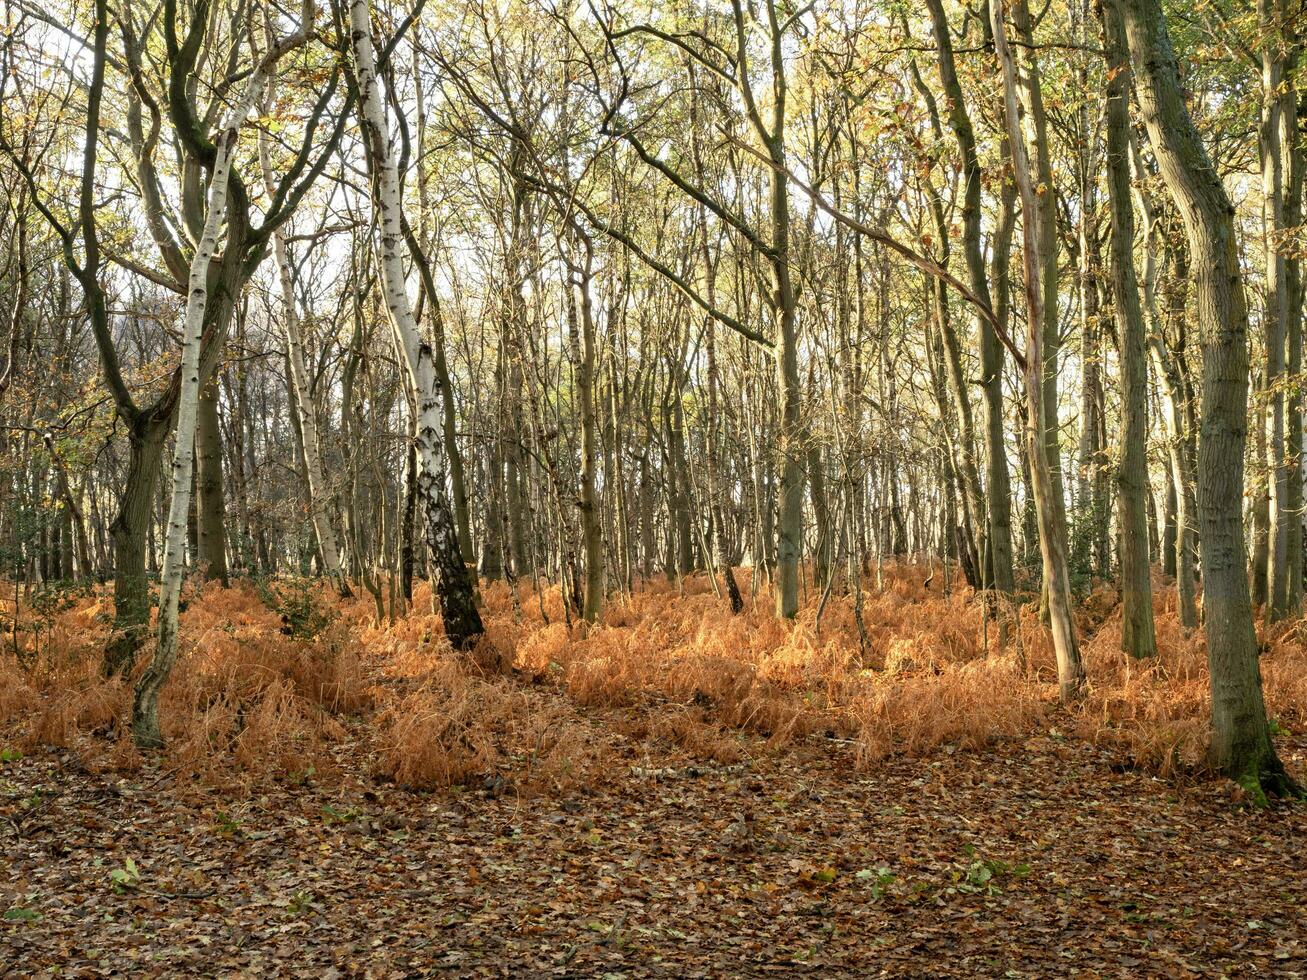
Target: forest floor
x,y
379,811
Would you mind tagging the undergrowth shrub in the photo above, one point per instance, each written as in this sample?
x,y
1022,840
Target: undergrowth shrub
x,y
282,680
458,728
305,612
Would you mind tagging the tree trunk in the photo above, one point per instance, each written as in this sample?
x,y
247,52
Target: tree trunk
x,y
1052,524
789,529
1241,743
450,576
583,355
210,507
1276,310
1293,118
997,523
1045,215
1137,634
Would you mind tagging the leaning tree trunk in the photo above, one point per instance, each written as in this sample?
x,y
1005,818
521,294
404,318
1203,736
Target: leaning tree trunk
x,y
450,577
1241,739
145,710
1052,526
1137,634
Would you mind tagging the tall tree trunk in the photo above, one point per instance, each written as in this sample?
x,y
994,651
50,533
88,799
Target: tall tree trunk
x,y
450,577
583,354
1137,634
210,506
1045,215
997,523
1052,525
1276,315
1293,118
1241,739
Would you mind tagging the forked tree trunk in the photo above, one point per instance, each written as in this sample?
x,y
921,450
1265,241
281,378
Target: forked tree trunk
x,y
145,705
450,577
1241,739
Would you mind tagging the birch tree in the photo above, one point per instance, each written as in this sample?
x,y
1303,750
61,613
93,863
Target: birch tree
x,y
145,703
450,577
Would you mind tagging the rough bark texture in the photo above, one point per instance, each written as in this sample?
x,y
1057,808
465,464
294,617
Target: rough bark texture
x,y
131,585
210,507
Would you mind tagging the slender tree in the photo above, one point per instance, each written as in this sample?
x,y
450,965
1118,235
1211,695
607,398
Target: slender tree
x,y
1137,634
450,577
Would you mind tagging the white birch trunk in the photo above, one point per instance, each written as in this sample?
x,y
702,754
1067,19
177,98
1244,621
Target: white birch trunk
x,y
145,705
450,577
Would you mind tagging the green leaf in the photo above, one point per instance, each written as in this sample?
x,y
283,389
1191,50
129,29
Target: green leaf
x,y
20,914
